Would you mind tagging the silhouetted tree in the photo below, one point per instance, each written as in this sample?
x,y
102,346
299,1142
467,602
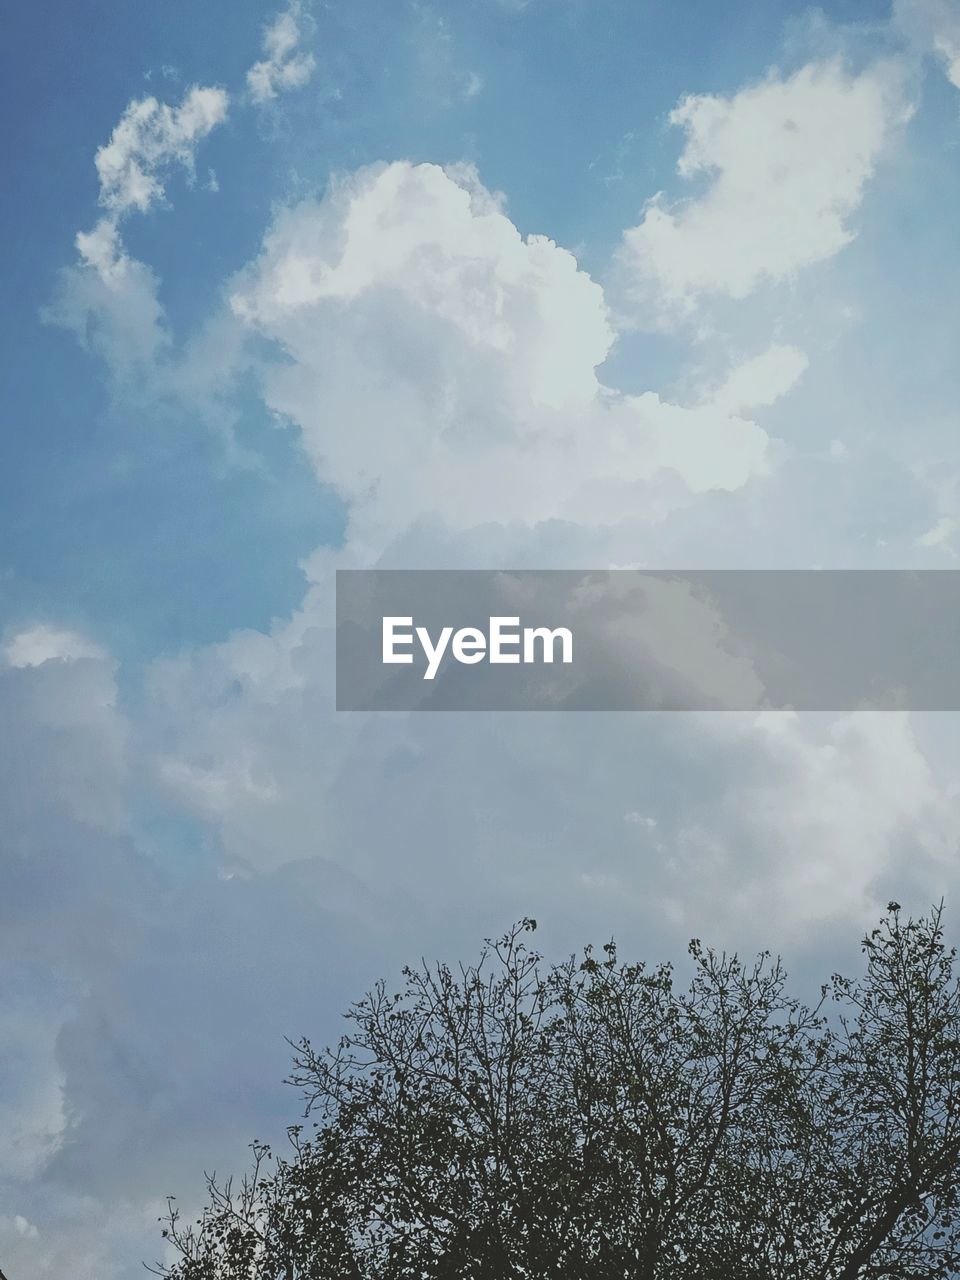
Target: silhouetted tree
x,y
594,1120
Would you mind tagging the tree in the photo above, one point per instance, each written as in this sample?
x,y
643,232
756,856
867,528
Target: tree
x,y
594,1119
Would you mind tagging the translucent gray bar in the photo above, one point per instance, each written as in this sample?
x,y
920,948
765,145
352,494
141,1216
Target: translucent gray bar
x,y
811,640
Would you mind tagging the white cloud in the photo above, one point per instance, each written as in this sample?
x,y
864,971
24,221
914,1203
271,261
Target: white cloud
x,y
761,380
36,645
443,369
464,357
150,137
109,299
101,249
283,67
785,162
817,816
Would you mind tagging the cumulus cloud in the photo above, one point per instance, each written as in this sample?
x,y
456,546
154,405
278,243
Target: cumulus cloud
x,y
149,138
785,163
440,364
443,368
445,372
283,67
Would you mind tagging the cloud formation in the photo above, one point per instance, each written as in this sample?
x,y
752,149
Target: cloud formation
x,y
785,164
149,138
109,298
284,67
441,365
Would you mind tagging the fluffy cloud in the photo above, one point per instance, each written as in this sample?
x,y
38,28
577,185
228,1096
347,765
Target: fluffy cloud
x,y
109,299
441,365
283,67
819,819
150,137
785,163
40,644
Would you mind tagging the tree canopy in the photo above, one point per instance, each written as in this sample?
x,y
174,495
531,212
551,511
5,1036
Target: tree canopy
x,y
597,1119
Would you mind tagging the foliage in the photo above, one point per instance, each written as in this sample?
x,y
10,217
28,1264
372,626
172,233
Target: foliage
x,y
593,1120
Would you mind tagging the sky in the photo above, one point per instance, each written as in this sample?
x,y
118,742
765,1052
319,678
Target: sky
x,y
485,284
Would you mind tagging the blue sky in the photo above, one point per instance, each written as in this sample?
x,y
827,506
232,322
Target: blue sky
x,y
544,284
